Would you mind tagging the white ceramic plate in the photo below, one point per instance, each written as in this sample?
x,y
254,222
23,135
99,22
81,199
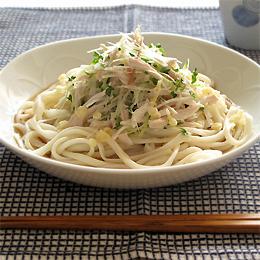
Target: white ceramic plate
x,y
235,75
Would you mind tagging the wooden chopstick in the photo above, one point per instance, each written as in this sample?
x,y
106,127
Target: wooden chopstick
x,y
209,223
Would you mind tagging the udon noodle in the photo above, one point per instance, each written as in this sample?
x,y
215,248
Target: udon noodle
x,y
131,107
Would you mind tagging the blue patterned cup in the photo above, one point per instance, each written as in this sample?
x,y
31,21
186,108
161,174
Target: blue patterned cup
x,y
241,20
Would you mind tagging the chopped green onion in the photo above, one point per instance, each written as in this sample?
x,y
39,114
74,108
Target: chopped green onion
x,y
165,70
193,95
179,85
146,60
132,108
174,95
186,64
96,57
117,122
69,97
159,47
131,54
145,124
194,76
104,86
109,90
71,78
88,73
154,80
184,131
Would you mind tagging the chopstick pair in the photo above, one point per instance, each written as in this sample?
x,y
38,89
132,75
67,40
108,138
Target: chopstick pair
x,y
209,223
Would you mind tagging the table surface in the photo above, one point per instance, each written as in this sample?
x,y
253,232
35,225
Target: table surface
x,y
28,191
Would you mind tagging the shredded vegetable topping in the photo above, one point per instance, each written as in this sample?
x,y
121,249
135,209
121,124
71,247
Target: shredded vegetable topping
x,y
131,107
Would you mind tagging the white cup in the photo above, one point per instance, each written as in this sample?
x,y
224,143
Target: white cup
x,y
241,20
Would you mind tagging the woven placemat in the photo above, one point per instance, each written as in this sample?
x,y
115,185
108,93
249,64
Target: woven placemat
x,y
28,191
